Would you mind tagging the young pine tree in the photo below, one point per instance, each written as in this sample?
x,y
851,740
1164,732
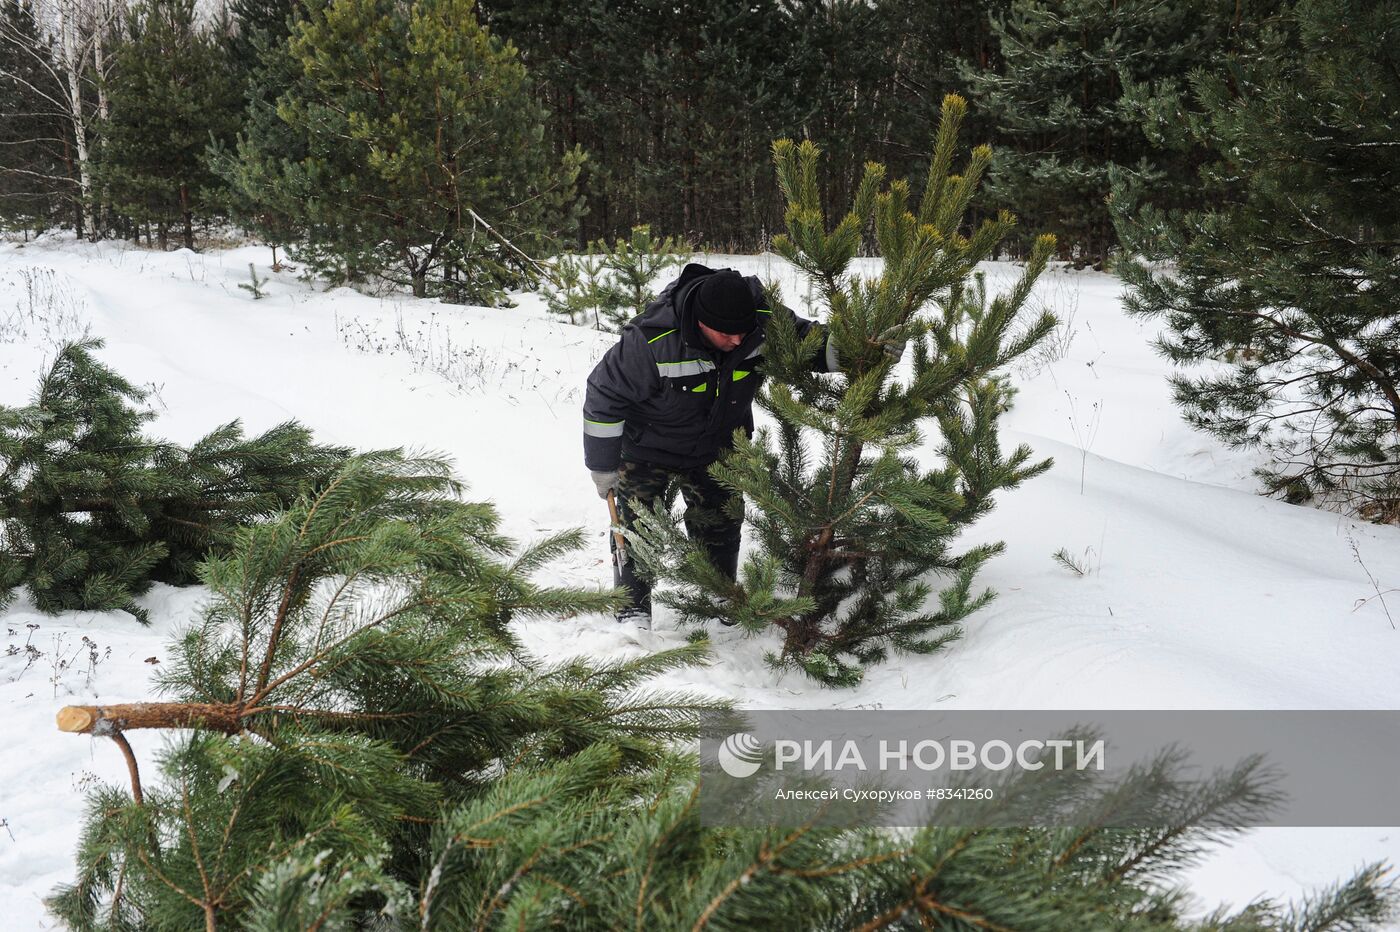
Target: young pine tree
x,y
93,511
609,285
851,528
577,289
634,263
168,97
415,151
1287,289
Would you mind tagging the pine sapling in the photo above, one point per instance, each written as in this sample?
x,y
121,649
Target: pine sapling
x,y
254,287
634,264
851,529
576,289
609,285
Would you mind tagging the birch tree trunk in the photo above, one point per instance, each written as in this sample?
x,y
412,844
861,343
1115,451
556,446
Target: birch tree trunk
x,y
73,66
99,59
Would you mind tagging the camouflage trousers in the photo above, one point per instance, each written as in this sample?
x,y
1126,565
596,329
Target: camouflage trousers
x,y
641,485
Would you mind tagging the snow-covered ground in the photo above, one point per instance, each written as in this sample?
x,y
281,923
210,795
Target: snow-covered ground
x,y
1201,594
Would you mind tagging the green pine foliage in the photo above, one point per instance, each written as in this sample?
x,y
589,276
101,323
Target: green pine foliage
x,y
634,263
851,62
94,511
254,284
356,674
851,531
1162,104
411,145
168,97
259,58
1280,299
377,751
677,105
577,289
607,286
252,164
648,862
257,24
929,48
1064,128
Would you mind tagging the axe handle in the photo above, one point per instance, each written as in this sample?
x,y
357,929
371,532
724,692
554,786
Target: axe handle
x,y
618,539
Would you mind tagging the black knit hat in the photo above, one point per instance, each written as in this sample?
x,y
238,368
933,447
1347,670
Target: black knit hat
x,y
724,302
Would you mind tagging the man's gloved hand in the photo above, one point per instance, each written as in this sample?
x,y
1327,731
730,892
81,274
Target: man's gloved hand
x,y
892,343
604,481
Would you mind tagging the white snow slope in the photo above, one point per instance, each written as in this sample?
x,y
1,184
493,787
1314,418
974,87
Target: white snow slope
x,y
1202,595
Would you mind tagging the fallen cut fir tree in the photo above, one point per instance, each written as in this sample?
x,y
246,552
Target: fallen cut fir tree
x,y
92,510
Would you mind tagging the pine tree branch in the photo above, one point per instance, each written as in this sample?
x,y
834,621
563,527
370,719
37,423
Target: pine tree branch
x,y
1159,843
283,609
131,766
926,902
209,902
546,273
156,872
115,909
652,851
324,715
1382,382
765,858
833,870
525,867
316,658
286,851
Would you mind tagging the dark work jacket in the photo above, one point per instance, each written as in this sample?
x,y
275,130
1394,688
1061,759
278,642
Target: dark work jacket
x,y
661,395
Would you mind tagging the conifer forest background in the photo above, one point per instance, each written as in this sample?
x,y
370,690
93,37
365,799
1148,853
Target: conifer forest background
x,y
118,117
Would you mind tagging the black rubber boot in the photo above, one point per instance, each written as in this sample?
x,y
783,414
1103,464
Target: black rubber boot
x,y
635,616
